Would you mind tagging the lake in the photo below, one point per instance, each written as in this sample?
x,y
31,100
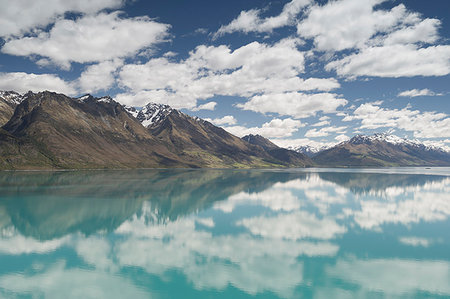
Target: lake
x,y
294,233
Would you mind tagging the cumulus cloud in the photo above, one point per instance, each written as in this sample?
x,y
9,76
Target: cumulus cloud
x,y
251,21
276,128
417,276
293,226
398,61
349,24
323,132
342,138
422,124
18,17
78,40
295,104
400,38
416,93
255,68
226,120
23,82
206,106
99,76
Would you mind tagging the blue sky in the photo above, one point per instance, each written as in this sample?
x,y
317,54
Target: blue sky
x,y
298,72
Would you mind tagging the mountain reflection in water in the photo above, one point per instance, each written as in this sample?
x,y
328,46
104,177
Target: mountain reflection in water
x,y
224,233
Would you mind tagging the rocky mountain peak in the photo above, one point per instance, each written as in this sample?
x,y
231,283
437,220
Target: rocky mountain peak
x,y
151,113
11,97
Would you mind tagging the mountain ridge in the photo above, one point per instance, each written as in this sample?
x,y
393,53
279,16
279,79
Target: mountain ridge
x,y
49,130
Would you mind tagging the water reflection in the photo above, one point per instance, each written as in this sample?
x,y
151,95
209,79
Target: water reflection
x,y
210,233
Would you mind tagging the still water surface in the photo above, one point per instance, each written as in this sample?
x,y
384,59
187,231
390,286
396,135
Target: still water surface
x,y
225,234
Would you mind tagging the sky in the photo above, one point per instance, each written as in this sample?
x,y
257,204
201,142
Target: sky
x,y
298,72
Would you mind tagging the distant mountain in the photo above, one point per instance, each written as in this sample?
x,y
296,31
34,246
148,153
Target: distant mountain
x,y
282,154
198,141
308,150
50,130
8,102
382,150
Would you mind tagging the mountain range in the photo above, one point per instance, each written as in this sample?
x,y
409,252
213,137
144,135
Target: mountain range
x,y
47,130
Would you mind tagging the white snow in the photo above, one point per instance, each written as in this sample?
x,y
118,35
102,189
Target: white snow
x,y
11,97
153,113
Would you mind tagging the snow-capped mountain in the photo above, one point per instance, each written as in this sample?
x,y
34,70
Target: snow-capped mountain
x,y
309,150
383,150
151,113
88,97
11,97
8,103
395,140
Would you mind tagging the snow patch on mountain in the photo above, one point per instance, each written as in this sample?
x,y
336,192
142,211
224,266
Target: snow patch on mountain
x,y
395,140
12,97
151,113
88,97
309,150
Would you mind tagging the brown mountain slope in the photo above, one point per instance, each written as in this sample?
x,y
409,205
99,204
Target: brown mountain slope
x,y
199,141
286,156
261,141
8,102
50,130
378,151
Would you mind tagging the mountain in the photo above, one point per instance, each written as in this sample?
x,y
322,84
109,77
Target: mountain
x,y
308,150
261,141
382,150
287,156
49,130
8,102
198,141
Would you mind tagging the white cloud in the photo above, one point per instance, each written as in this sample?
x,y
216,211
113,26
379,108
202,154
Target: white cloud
x,y
415,241
13,243
91,38
342,138
405,206
226,120
398,61
423,124
426,31
18,17
141,98
23,82
416,93
293,226
294,143
395,36
60,281
348,24
255,68
99,76
323,132
206,106
177,245
405,278
276,128
295,104
321,123
274,198
250,21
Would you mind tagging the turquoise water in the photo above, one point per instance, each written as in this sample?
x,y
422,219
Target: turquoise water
x,y
317,233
